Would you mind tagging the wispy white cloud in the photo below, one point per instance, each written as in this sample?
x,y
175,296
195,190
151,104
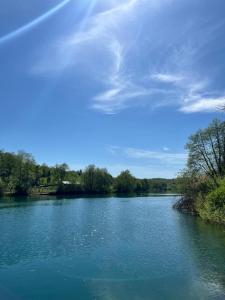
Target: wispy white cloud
x,y
167,78
191,90
147,163
190,94
114,81
204,105
158,155
103,33
149,155
96,31
108,45
143,171
121,87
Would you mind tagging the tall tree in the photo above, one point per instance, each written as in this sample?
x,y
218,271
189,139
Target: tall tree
x,y
125,182
59,173
207,151
96,180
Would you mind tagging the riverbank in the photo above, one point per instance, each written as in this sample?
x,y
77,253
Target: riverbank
x,y
202,183
185,206
20,174
84,195
207,208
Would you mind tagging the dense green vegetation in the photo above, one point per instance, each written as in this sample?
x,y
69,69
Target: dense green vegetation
x,y
21,175
203,182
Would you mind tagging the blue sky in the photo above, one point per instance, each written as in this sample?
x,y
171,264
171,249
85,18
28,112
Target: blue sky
x,y
121,84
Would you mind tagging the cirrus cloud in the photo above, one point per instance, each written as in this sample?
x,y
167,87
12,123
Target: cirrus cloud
x,y
112,43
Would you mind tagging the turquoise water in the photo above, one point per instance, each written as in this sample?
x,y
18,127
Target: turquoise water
x,y
108,248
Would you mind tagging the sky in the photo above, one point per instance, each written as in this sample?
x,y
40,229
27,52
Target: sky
x,y
120,84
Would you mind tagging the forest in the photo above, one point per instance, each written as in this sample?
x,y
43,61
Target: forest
x,y
20,174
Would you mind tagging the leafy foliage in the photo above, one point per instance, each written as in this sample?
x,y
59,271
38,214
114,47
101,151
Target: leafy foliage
x,y
212,208
96,180
125,183
202,183
207,151
20,174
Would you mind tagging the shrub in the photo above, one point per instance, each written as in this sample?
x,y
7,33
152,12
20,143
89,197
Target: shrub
x,y
194,189
213,207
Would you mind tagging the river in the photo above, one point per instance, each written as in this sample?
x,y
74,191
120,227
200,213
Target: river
x,y
108,249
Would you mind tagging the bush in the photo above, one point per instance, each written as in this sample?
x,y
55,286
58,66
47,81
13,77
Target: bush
x,y
69,189
194,189
213,207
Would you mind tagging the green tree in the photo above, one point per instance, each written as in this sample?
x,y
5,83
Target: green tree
x,y
96,180
201,183
24,175
59,173
192,187
207,151
125,182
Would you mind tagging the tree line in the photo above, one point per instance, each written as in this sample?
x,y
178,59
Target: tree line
x,y
20,174
202,183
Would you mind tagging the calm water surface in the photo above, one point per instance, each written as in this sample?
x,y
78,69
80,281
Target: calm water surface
x,y
115,248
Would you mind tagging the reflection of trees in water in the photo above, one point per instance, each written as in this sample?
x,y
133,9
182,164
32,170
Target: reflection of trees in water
x,y
207,248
